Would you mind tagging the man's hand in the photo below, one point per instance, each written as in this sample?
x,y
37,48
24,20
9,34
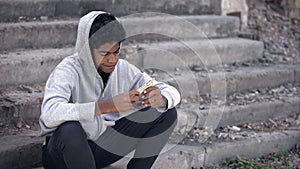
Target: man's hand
x,y
152,97
125,101
119,103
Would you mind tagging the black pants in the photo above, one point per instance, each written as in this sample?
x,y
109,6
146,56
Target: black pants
x,y
145,131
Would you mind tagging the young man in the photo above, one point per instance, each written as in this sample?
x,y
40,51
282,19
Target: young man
x,y
93,110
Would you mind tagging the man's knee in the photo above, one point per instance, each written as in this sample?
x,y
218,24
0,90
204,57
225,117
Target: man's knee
x,y
171,115
70,133
168,119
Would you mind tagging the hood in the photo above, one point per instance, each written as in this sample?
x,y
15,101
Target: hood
x,y
82,43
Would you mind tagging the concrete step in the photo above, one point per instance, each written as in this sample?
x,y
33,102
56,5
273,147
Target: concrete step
x,y
21,152
21,103
193,115
11,10
25,101
34,66
57,34
222,82
259,145
185,54
24,104
30,67
186,157
239,114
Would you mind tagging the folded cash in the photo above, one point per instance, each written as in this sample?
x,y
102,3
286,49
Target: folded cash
x,y
146,85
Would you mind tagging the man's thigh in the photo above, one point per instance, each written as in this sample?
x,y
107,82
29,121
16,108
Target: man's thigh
x,y
123,137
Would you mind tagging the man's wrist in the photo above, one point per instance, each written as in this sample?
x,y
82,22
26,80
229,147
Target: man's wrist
x,y
105,107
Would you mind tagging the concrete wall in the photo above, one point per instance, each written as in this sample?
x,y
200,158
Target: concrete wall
x,y
237,8
289,8
11,10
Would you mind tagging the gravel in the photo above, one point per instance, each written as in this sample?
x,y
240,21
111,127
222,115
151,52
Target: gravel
x,y
21,128
200,136
13,125
280,34
279,93
230,133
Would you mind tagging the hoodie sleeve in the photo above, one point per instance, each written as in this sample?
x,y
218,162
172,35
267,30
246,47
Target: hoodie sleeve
x,y
170,93
56,107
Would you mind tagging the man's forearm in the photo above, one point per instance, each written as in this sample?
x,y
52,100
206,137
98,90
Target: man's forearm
x,y
105,107
124,102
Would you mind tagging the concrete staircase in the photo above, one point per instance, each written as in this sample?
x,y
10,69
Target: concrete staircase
x,y
195,52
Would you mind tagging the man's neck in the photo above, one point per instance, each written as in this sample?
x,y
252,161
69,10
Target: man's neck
x,y
104,76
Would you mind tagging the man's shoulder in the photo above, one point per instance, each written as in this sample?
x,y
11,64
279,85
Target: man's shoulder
x,y
122,62
125,64
68,65
125,67
69,61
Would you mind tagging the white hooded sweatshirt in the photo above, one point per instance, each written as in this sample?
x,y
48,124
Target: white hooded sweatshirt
x,y
74,87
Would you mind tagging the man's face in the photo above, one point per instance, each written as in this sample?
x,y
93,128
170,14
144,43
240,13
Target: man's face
x,y
106,56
